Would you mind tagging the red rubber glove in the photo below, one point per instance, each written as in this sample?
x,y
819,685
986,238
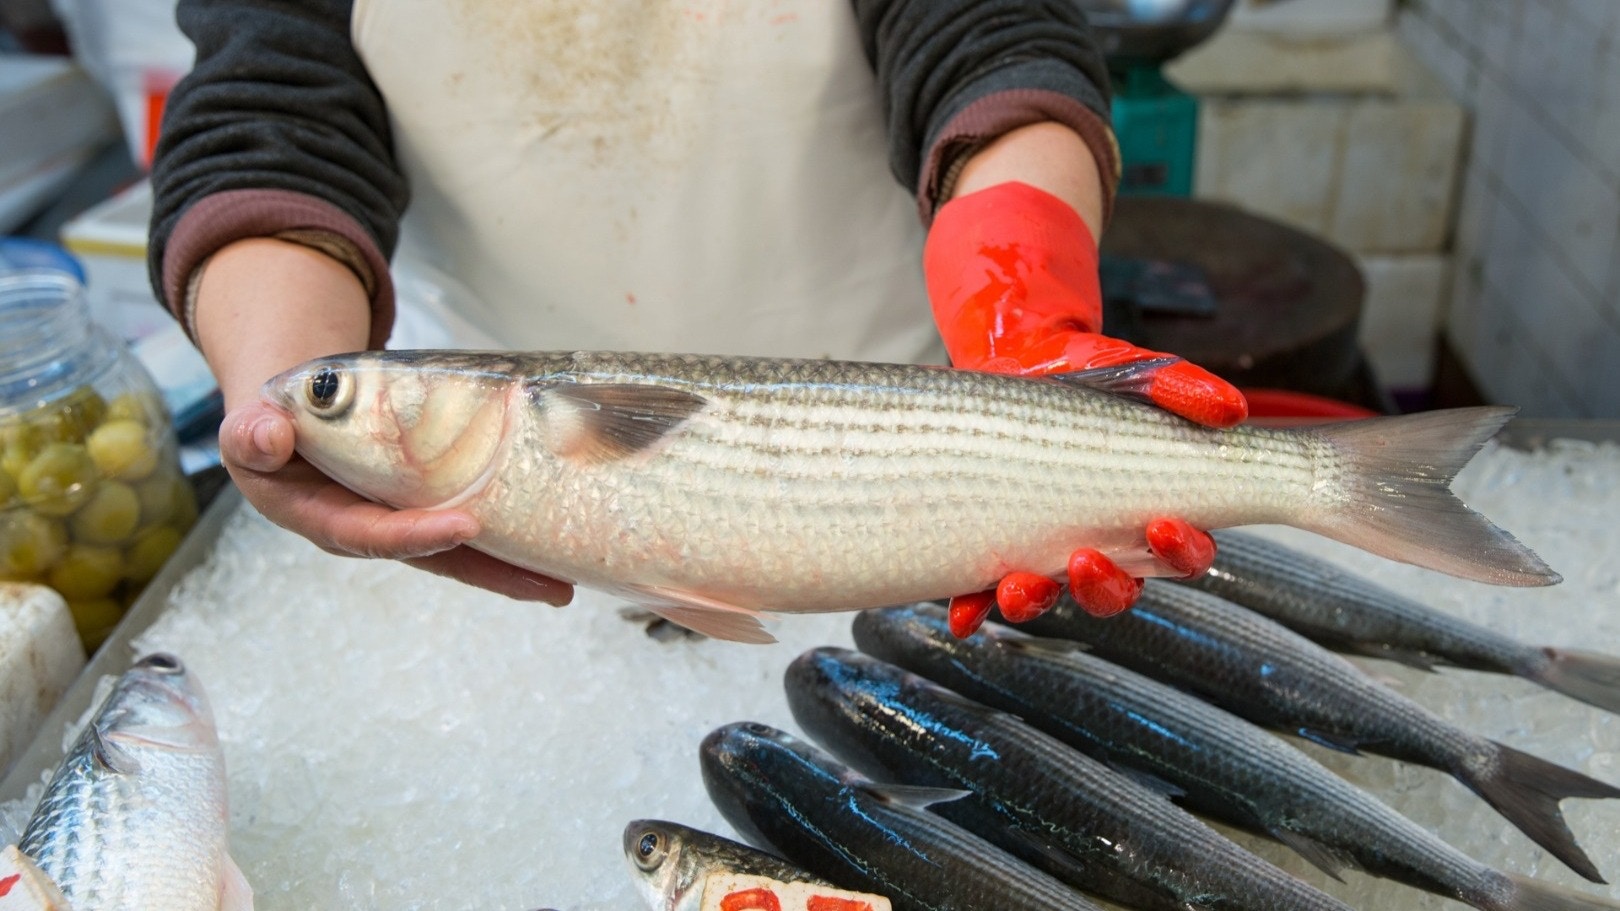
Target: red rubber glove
x,y
1012,276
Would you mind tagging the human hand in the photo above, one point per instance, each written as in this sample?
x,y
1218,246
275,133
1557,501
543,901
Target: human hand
x,y
1012,277
264,306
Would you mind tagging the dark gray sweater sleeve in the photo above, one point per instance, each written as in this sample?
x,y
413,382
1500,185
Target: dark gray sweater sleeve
x,y
955,73
279,120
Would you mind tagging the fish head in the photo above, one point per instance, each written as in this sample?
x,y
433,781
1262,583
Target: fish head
x,y
158,703
408,429
665,875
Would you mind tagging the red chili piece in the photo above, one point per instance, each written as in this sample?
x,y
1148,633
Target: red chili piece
x,y
1099,586
967,612
751,900
1182,546
7,883
829,903
1025,596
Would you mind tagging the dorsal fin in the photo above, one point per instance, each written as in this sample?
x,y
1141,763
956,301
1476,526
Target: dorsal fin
x,y
1129,381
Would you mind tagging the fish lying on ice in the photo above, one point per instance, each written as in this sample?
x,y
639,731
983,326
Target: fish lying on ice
x,y
1258,669
1217,764
778,790
710,489
1336,608
135,816
671,862
1054,806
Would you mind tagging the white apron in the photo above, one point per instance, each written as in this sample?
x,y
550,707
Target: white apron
x,y
705,176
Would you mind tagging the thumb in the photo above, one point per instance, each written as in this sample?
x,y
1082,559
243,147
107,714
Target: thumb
x,y
256,436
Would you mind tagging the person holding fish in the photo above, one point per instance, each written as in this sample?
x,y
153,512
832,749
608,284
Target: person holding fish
x,y
700,177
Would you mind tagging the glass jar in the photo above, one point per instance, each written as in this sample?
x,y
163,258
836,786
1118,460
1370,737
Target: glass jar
x,y
92,499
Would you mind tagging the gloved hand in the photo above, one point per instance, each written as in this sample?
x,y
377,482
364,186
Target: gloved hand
x,y
1012,276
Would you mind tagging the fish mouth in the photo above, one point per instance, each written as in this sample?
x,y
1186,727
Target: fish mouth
x,y
278,389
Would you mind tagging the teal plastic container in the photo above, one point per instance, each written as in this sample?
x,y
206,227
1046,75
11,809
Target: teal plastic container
x,y
1157,128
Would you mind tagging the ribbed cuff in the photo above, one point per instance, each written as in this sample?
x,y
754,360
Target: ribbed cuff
x,y
994,115
223,218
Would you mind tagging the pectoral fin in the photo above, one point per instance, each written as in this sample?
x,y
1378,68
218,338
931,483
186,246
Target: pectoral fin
x,y
605,421
1330,860
234,892
915,796
704,615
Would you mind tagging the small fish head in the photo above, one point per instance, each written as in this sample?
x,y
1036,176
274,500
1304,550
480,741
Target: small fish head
x,y
157,702
654,850
407,429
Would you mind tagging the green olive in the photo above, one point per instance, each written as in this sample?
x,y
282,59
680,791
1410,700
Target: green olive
x,y
123,449
151,549
59,480
110,515
30,544
134,406
87,571
71,418
19,443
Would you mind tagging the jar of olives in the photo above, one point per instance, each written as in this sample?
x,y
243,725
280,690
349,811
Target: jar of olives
x,y
92,499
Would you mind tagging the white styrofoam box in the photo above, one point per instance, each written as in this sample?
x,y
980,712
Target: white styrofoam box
x,y
1310,16
40,654
1368,162
1400,316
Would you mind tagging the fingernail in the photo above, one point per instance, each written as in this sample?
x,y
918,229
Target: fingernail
x,y
262,433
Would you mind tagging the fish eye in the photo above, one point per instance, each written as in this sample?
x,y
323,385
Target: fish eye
x,y
649,851
163,664
330,392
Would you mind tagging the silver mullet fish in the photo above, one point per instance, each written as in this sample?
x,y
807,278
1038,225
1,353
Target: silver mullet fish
x,y
710,489
671,863
135,817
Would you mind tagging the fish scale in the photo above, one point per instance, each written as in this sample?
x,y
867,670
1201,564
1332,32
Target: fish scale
x,y
703,485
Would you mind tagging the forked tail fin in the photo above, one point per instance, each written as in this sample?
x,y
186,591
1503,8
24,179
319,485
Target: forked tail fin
x,y
1526,790
1529,895
1588,676
1394,498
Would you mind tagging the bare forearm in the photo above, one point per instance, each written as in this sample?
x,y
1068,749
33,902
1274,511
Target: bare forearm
x,y
1047,156
265,305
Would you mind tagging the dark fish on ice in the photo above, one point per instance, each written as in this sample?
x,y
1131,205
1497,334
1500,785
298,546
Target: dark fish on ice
x,y
1258,669
1345,612
1211,761
821,814
1060,809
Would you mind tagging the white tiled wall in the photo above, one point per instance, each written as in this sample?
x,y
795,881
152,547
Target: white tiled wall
x,y
1535,300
